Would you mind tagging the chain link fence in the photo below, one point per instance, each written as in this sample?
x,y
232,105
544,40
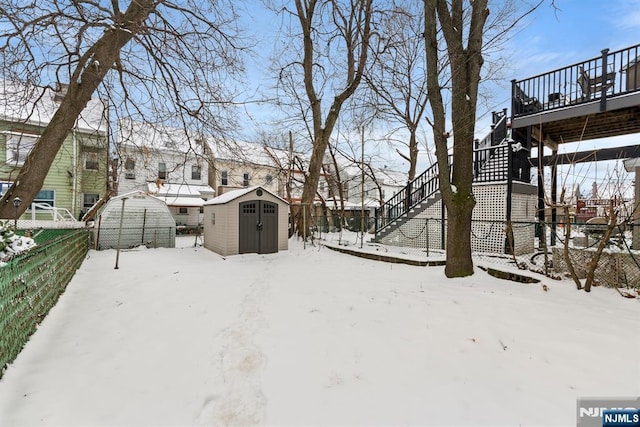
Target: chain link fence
x,y
131,237
521,245
32,282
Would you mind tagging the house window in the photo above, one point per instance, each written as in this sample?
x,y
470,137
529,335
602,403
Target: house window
x,y
201,209
245,179
91,161
224,178
196,172
4,186
162,170
18,147
47,197
268,179
129,169
89,200
183,211
213,218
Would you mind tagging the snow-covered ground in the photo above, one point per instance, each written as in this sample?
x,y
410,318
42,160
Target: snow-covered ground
x,y
314,337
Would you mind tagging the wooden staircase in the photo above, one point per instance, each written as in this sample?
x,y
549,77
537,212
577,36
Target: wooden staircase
x,y
490,164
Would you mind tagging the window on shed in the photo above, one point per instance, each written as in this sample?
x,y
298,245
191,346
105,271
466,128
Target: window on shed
x,y
183,211
245,179
224,178
162,170
196,172
129,168
91,160
18,147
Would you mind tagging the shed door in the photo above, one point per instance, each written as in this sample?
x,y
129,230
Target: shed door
x,y
258,227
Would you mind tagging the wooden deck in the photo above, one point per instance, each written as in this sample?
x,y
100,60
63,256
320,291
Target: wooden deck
x,y
597,98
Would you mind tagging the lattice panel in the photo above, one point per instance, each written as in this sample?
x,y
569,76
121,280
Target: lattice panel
x,y
490,202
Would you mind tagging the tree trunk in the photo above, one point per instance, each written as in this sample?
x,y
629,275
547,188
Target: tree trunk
x,y
413,154
355,65
89,73
465,63
458,250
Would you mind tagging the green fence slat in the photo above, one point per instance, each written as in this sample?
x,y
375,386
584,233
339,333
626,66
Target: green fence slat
x,y
32,283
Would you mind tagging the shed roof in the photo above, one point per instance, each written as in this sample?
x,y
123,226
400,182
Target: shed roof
x,y
234,194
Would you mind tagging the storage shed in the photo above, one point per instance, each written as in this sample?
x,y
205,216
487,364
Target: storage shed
x,y
146,220
249,220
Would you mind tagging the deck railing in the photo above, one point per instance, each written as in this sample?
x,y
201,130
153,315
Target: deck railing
x,y
608,75
490,164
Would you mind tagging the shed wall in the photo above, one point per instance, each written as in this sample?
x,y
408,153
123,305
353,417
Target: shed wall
x,y
223,236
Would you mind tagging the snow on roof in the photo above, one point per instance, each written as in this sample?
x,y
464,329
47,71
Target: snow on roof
x,y
171,138
250,152
180,190
391,177
192,202
36,106
156,136
234,194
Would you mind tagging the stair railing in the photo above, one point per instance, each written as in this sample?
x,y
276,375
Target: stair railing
x,y
425,185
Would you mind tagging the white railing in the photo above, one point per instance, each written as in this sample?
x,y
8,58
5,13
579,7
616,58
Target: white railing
x,y
57,214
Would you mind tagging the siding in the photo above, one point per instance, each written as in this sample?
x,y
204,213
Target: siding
x,y
58,178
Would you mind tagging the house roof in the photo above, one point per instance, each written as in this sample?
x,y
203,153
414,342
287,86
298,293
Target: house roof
x,y
143,134
36,106
180,190
189,202
234,194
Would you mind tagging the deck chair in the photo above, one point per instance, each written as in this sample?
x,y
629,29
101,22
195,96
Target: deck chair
x,y
524,104
592,86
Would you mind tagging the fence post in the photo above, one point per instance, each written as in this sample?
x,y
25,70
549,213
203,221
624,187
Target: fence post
x,y
427,234
120,233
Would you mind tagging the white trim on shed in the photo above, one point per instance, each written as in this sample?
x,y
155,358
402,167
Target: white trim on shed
x,y
224,229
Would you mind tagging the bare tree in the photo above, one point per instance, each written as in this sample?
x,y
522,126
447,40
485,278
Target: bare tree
x,y
457,36
464,55
397,77
335,36
168,62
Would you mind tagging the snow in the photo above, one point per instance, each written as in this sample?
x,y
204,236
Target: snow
x,y
234,194
37,105
311,336
11,244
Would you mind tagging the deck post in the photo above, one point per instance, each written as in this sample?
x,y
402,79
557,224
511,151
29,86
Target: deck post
x,y
542,233
509,238
635,243
554,199
603,78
